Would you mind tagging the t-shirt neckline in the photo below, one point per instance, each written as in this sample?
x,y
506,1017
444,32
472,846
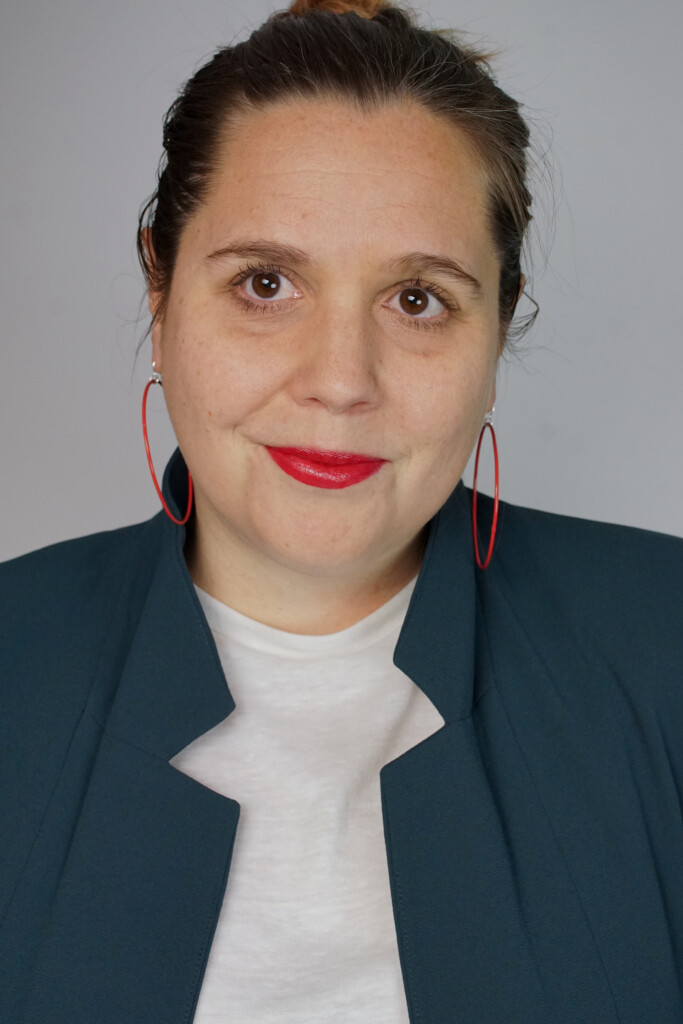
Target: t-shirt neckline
x,y
233,625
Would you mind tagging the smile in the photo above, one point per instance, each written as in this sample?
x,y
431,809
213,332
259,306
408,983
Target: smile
x,y
325,469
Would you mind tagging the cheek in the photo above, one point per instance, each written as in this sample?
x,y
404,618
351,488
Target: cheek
x,y
444,409
217,381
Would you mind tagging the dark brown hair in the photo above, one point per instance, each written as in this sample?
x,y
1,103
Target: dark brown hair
x,y
365,52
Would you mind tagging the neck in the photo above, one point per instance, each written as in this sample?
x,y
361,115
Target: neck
x,y
295,601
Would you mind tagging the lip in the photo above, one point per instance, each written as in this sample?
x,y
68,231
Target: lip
x,y
326,469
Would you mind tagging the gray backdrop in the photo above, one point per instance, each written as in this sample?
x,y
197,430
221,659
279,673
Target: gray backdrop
x,y
589,417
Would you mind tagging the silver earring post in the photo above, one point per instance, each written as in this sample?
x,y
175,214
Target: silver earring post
x,y
156,376
488,418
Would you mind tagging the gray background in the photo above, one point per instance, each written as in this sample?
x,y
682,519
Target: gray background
x,y
589,417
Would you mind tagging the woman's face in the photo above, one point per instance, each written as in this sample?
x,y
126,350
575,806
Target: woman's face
x,y
314,305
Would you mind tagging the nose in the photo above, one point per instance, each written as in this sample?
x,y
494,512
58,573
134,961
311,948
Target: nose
x,y
337,363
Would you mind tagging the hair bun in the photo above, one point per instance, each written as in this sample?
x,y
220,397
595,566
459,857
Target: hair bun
x,y
364,8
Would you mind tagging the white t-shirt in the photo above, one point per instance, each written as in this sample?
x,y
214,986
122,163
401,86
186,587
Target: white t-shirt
x,y
306,932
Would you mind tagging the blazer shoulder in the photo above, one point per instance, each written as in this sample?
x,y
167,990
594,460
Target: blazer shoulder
x,y
589,553
67,575
534,518
56,606
71,553
615,589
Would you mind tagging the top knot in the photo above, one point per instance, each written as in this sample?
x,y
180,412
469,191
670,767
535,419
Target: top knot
x,y
364,8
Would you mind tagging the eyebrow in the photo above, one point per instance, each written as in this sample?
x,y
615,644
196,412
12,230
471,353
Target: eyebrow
x,y
278,252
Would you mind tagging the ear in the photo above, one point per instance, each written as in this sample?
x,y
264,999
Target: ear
x,y
492,396
513,307
148,246
156,343
522,282
153,299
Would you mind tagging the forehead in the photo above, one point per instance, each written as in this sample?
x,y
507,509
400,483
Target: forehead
x,y
397,175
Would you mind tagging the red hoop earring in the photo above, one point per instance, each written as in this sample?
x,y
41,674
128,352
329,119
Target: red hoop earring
x,y
156,379
483,565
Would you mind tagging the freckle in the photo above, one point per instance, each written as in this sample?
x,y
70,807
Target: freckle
x,y
210,414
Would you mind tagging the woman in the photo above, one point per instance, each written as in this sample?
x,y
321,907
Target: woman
x,y
451,729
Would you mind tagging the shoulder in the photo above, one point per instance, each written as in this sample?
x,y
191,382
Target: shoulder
x,y
68,575
55,607
536,525
612,592
587,556
69,554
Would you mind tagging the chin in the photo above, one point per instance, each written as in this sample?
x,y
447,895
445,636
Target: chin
x,y
320,549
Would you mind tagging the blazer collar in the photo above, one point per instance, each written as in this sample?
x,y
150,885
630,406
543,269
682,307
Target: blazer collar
x,y
436,646
185,692
172,688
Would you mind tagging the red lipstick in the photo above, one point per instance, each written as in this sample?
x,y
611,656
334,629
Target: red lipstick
x,y
325,469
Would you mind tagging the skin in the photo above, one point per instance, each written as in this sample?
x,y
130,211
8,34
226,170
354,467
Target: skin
x,y
335,362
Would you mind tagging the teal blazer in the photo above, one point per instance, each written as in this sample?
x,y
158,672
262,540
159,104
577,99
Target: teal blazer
x,y
534,843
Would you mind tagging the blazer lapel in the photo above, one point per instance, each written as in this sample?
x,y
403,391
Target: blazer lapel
x,y
489,924
146,866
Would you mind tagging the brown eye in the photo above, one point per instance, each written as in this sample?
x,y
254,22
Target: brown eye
x,y
260,284
266,286
419,303
413,300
